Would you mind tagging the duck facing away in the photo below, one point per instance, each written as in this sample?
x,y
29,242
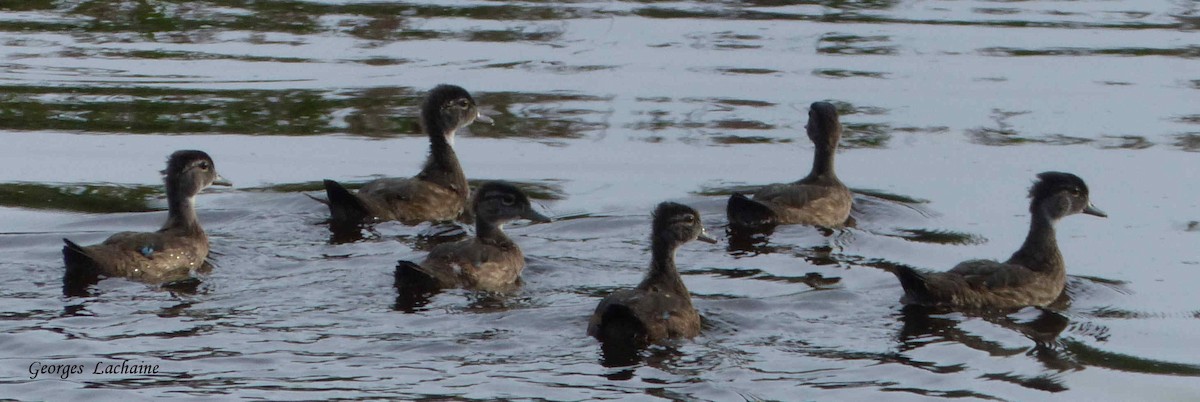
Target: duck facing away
x,y
168,255
818,199
438,193
490,261
660,308
1034,276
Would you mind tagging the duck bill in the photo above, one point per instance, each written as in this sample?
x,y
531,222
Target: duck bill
x,y
536,217
482,118
1092,210
704,237
221,181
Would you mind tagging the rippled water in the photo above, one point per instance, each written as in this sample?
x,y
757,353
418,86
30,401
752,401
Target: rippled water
x,y
604,109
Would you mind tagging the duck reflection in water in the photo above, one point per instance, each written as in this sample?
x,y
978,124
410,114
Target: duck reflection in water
x,y
923,325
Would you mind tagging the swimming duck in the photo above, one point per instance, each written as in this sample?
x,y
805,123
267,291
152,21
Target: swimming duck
x,y
819,199
438,193
1034,276
170,254
660,308
490,261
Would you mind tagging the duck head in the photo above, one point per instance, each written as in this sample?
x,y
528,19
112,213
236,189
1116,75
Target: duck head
x,y
823,126
1058,194
448,108
190,171
499,202
677,224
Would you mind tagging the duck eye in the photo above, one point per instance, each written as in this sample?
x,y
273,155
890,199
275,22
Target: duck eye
x,y
463,103
508,200
203,165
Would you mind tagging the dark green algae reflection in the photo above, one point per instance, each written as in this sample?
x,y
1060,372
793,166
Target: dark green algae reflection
x,y
115,198
371,112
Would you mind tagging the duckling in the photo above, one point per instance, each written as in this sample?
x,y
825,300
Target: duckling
x,y
490,261
1034,276
168,255
660,308
439,192
819,199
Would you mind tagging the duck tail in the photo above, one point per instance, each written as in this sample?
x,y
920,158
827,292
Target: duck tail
x,y
344,206
619,323
413,286
75,256
747,214
916,289
621,334
410,275
82,269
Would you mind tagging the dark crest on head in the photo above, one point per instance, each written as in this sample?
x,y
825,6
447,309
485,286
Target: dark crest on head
x,y
494,189
180,160
1050,183
440,101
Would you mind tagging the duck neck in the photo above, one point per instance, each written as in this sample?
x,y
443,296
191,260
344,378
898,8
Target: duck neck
x,y
181,212
663,273
491,232
442,167
1040,250
822,168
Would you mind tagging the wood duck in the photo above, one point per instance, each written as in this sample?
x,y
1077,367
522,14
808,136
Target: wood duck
x,y
438,193
168,255
1034,276
660,308
490,261
819,199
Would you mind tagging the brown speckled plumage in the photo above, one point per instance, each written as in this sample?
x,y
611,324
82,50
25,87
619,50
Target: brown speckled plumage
x,y
490,261
818,199
660,308
438,193
172,253
1035,274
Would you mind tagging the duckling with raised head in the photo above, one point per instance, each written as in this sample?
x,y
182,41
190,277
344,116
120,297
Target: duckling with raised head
x,y
490,261
438,193
168,255
1034,276
818,199
660,308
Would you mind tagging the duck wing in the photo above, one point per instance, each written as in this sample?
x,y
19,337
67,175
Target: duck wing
x,y
992,275
411,201
472,264
152,257
807,203
974,284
